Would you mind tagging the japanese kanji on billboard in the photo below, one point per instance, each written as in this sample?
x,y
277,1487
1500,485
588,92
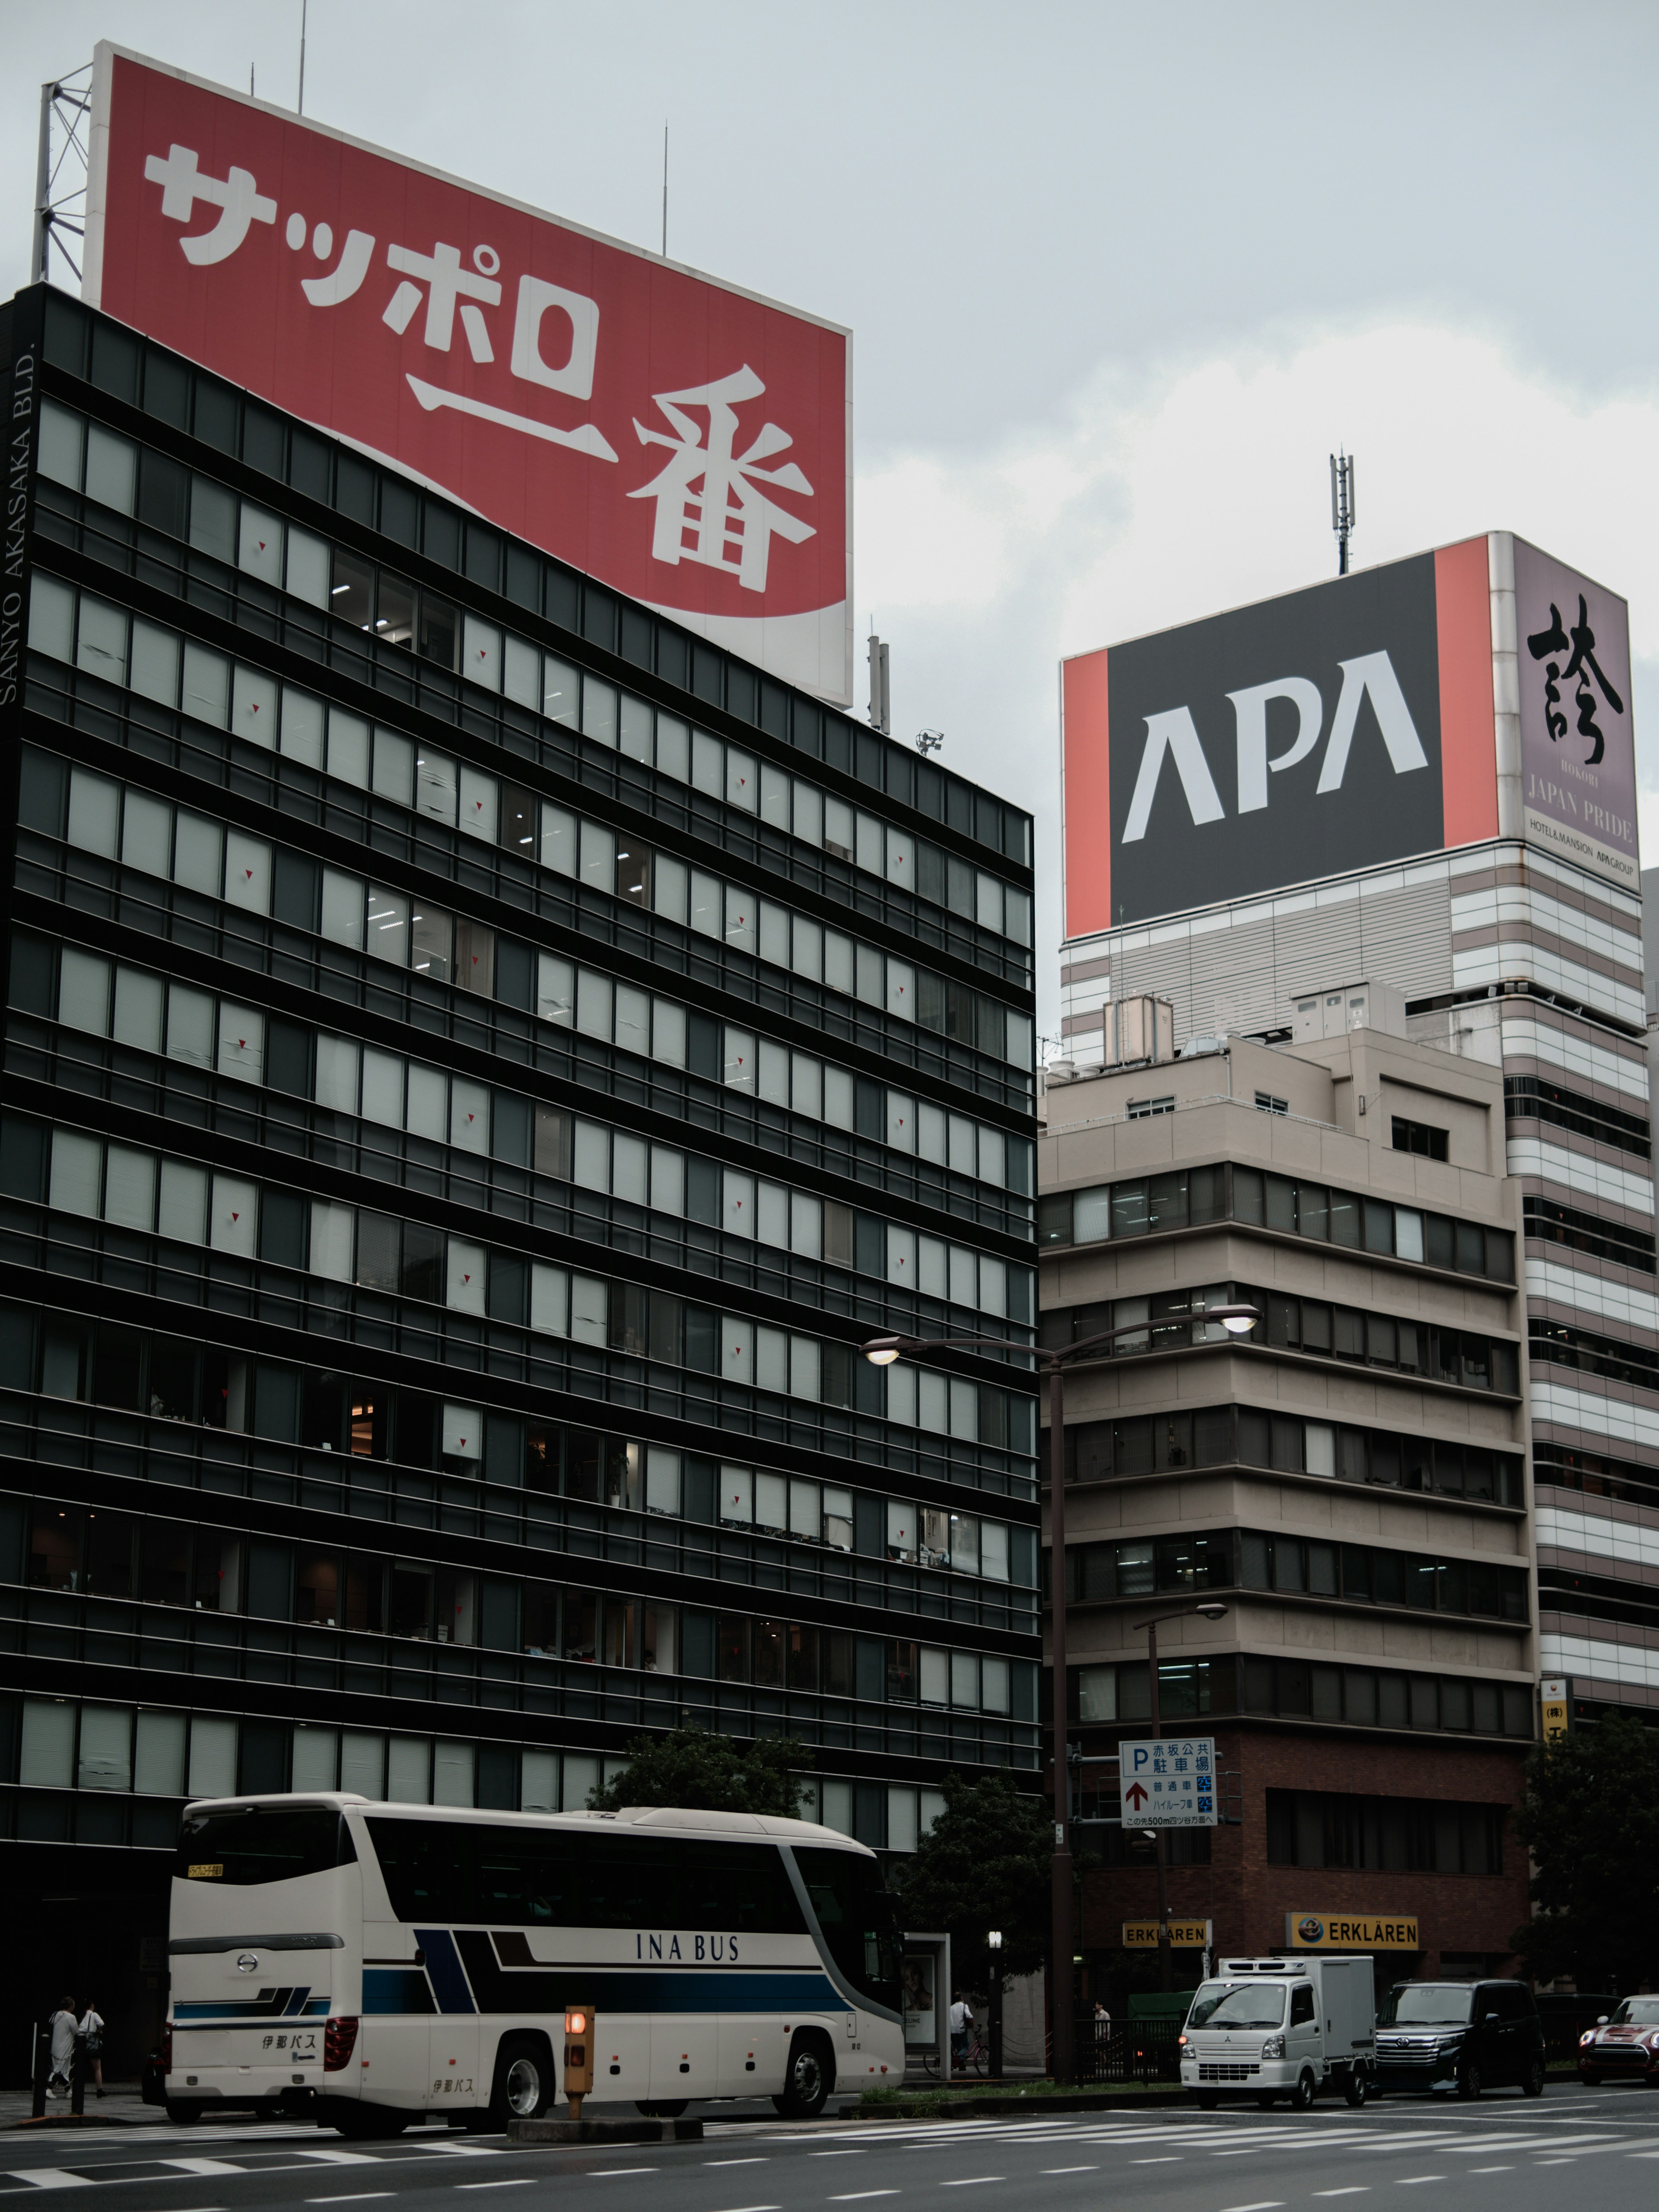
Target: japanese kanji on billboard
x,y
682,440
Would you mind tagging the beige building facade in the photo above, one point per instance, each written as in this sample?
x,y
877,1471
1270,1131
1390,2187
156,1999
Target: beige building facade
x,y
1350,1479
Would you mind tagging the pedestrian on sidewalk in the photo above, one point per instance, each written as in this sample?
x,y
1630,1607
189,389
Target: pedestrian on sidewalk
x,y
91,2033
64,2027
960,2017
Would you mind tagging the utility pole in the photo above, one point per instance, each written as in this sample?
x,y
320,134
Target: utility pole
x,y
1342,507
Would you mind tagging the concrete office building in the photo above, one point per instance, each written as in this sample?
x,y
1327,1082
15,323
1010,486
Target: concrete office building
x,y
1350,1481
480,1060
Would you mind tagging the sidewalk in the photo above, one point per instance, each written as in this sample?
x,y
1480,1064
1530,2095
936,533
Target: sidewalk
x,y
119,2106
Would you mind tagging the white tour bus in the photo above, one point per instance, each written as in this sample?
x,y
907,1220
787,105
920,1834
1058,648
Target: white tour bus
x,y
367,1964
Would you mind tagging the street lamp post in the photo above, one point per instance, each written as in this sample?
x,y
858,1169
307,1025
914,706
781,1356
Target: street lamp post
x,y
993,1939
882,1352
1211,1610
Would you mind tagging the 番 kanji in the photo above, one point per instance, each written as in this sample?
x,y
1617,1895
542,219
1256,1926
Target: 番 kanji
x,y
729,516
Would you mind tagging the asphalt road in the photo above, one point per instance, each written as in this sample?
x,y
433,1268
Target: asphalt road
x,y
1502,2154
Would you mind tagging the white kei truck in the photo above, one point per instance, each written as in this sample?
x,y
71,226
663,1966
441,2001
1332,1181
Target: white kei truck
x,y
1277,2027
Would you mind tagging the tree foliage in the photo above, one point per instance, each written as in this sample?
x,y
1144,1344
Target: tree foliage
x,y
984,1863
1589,1814
705,1773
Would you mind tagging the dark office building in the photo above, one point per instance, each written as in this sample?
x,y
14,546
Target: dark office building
x,y
479,1061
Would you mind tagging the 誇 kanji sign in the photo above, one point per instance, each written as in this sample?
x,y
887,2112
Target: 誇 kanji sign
x,y
1169,1784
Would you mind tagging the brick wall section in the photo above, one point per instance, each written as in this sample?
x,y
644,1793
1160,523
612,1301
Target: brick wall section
x,y
1247,1898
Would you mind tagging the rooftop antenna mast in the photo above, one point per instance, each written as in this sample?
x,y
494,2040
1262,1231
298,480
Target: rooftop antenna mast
x,y
1342,507
60,201
299,106
665,191
881,699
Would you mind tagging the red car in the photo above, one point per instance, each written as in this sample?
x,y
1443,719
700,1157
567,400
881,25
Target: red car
x,y
1623,2045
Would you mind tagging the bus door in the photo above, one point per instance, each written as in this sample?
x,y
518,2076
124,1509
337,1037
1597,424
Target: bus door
x,y
457,2064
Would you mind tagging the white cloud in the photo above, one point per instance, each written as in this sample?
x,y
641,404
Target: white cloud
x,y
1155,503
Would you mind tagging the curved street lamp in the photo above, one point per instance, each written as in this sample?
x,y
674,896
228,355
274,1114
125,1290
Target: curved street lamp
x,y
1054,1361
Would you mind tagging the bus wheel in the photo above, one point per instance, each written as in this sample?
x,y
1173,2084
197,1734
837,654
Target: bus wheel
x,y
808,2079
523,2087
661,2108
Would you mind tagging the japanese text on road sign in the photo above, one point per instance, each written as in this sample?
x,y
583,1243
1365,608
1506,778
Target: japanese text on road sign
x,y
1169,1784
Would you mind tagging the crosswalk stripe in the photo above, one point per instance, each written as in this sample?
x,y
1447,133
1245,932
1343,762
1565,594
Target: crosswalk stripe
x,y
205,2165
51,2177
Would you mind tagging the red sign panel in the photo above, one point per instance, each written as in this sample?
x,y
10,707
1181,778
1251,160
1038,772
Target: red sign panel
x,y
683,441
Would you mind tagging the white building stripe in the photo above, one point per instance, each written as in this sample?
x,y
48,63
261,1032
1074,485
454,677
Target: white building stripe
x,y
1614,1417
1570,1530
1579,1174
1588,1659
1622,1303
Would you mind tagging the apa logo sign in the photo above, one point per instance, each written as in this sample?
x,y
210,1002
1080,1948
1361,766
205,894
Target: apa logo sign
x,y
1277,742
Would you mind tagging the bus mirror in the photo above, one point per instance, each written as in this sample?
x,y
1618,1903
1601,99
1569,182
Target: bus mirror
x,y
579,2032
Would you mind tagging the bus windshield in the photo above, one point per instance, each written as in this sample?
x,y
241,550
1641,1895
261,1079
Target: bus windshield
x,y
859,1916
256,1844
1427,2004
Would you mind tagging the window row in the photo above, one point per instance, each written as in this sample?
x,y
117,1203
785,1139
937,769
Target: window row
x,y
146,1012
1241,1436
1597,1235
1471,1361
176,672
1189,1198
171,1378
120,1556
136,1189
1298,1689
1536,1098
61,1743
1226,1558
1619,1359
1393,1835
139,482
176,845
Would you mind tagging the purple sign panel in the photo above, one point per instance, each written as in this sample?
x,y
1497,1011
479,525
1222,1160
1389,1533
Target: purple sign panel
x,y
1577,743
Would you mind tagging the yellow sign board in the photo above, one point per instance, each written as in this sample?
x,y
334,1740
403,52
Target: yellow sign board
x,y
1354,1931
1184,1935
1554,1709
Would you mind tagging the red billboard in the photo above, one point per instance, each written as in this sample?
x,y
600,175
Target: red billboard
x,y
683,440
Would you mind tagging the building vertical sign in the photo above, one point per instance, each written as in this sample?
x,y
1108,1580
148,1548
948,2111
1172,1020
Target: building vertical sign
x,y
683,440
1577,742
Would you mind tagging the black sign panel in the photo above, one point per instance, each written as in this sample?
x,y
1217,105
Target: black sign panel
x,y
1295,739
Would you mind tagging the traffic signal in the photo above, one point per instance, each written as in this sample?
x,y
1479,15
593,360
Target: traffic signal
x,y
579,2033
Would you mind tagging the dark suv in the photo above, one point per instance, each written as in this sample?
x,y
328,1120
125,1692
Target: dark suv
x,y
1466,2036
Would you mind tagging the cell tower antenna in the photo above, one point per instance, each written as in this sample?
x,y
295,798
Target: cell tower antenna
x,y
881,698
1342,507
60,175
665,191
299,108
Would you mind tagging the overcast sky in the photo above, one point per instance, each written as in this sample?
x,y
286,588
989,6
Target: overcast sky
x,y
1120,278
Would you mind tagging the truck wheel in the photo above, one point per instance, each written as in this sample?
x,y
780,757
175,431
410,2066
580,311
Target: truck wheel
x,y
1266,2099
1306,2089
1356,2088
808,2079
1206,2104
182,2115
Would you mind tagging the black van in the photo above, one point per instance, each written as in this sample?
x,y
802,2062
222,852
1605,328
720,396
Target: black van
x,y
1466,2036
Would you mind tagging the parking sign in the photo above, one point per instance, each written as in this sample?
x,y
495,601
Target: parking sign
x,y
1168,1783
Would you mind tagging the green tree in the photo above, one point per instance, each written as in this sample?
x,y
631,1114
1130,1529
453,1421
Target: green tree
x,y
984,1863
1589,1816
705,1773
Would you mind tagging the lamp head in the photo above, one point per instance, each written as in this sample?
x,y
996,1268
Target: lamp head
x,y
881,1354
1239,1324
994,1937
1213,1609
